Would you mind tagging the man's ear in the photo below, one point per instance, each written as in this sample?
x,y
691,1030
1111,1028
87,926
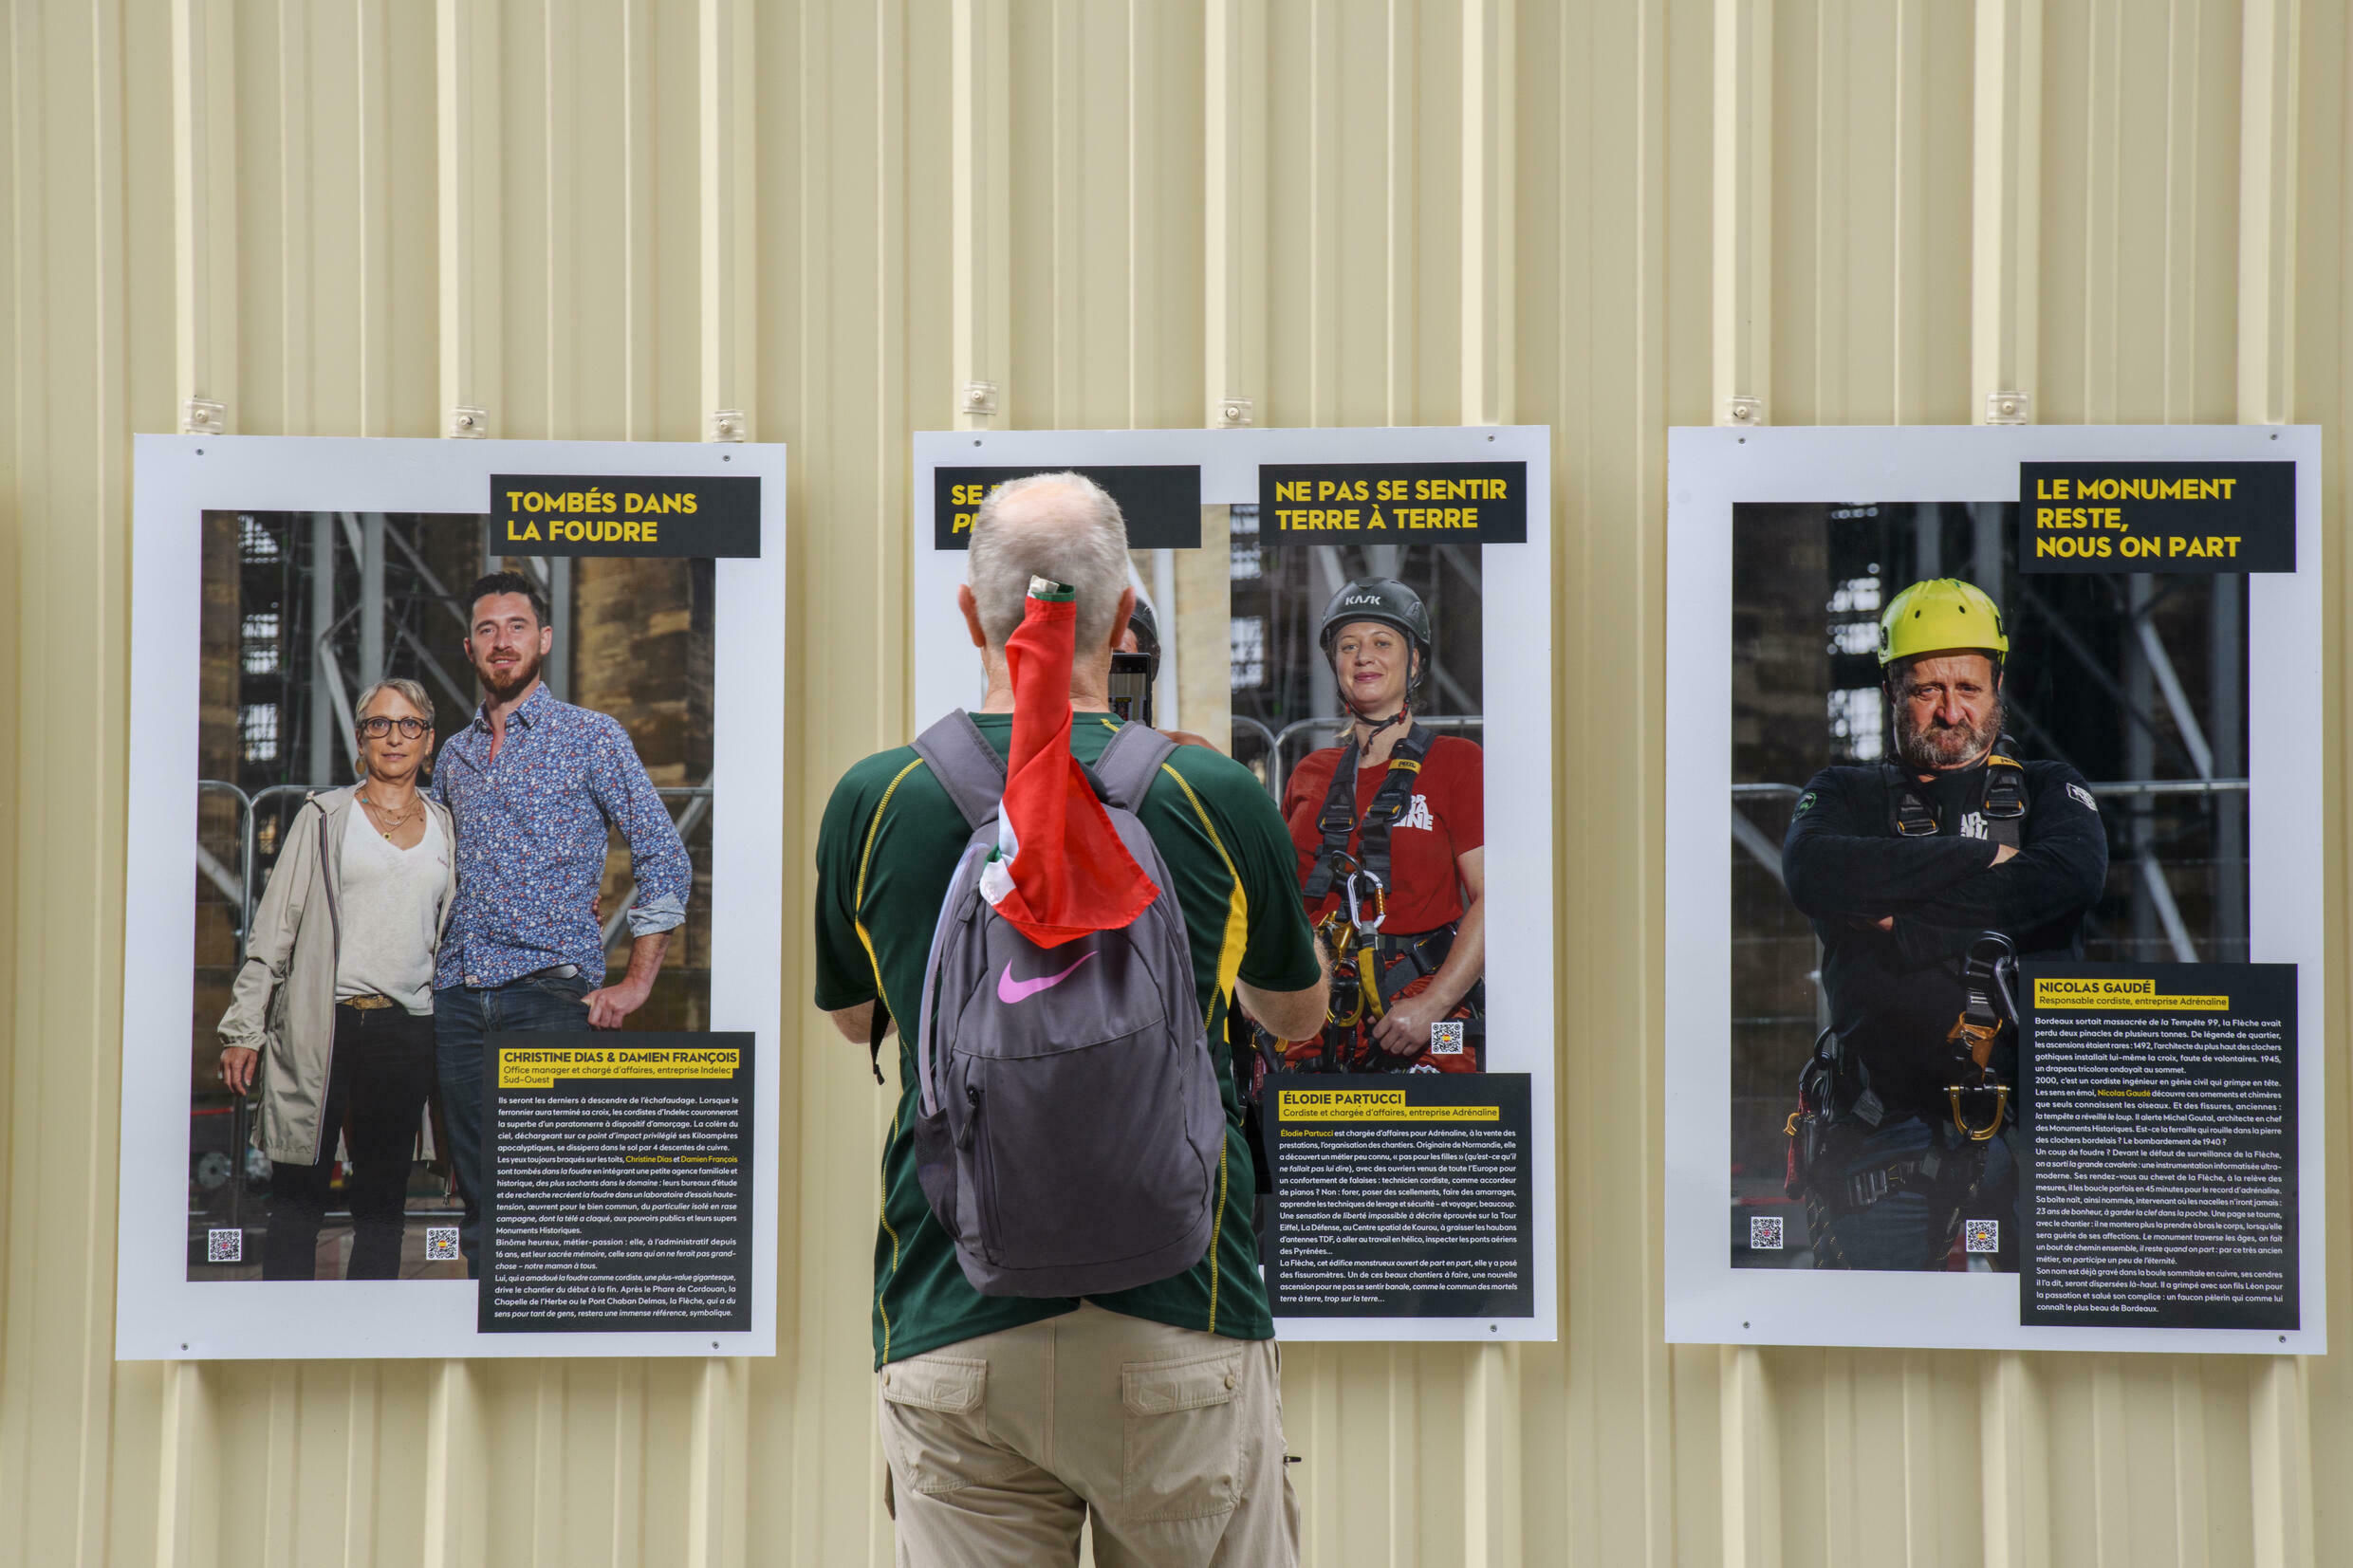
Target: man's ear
x,y
970,607
547,640
1125,614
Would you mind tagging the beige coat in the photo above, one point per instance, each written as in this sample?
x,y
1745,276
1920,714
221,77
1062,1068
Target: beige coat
x,y
284,1003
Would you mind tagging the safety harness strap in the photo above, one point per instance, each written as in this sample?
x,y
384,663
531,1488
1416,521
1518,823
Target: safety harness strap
x,y
1338,820
1997,796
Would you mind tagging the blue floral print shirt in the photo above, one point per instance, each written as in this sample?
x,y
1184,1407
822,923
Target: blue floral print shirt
x,y
531,831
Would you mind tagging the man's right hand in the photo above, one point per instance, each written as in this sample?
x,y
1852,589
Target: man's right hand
x,y
2004,851
238,1066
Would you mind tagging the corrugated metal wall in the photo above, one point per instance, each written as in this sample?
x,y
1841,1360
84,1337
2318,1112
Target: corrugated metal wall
x,y
615,218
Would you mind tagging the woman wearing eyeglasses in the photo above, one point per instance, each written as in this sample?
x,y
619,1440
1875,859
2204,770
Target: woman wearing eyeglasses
x,y
332,1012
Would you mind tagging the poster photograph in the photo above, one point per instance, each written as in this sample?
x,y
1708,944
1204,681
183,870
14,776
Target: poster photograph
x,y
450,1024
1993,809
1337,611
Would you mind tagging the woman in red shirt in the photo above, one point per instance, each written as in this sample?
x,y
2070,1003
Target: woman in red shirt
x,y
1406,806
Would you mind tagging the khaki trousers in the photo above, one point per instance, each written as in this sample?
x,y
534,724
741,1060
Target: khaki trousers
x,y
1001,1445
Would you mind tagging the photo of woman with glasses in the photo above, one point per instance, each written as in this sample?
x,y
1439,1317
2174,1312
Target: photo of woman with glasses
x,y
332,1011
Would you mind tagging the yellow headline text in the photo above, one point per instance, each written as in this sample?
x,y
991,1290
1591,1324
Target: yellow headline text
x,y
1373,1105
541,1067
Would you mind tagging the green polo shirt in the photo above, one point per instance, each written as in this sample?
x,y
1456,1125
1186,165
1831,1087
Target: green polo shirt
x,y
889,841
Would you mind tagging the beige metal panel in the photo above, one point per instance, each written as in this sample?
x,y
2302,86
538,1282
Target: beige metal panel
x,y
729,219
1869,256
1743,213
2007,185
469,208
2137,278
77,114
830,240
1234,215
1107,182
981,210
1618,274
2324,395
1364,168
1291,203
204,169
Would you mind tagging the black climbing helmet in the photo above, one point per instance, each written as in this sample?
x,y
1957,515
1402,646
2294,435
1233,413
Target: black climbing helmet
x,y
1381,598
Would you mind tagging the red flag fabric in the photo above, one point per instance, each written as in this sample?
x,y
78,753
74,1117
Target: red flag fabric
x,y
1061,871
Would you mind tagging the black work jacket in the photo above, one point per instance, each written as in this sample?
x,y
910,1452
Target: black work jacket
x,y
1894,994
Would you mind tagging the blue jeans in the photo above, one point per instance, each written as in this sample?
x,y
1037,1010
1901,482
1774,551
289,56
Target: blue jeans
x,y
463,1017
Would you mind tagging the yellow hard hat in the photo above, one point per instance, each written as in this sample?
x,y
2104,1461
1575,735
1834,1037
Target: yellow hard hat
x,y
1941,615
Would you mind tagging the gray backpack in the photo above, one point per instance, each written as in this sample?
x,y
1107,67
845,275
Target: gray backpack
x,y
1070,1132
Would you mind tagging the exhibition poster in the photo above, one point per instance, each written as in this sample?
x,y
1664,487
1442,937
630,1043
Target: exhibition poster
x,y
1293,583
450,1013
1995,935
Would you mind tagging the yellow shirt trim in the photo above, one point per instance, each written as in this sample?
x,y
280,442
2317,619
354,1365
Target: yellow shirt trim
x,y
1237,905
858,898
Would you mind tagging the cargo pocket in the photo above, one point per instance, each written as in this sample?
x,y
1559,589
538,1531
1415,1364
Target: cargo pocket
x,y
934,1424
1184,1438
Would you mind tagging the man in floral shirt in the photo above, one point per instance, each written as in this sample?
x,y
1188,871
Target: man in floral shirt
x,y
535,784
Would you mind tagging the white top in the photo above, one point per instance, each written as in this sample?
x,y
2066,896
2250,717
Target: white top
x,y
390,904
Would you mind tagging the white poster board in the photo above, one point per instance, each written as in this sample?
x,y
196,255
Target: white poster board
x,y
2182,691
222,683
1507,586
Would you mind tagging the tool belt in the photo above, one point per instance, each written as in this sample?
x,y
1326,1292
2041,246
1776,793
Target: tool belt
x,y
1370,975
1834,1095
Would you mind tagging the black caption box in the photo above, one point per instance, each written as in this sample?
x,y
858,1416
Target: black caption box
x,y
2156,517
1393,504
2160,1183
1161,502
624,514
1400,1195
617,1182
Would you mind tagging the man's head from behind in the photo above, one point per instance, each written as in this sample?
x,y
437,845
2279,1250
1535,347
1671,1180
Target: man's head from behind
x,y
1058,525
507,632
1942,648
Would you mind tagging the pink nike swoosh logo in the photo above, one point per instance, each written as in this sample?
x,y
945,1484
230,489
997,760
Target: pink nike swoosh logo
x,y
1011,990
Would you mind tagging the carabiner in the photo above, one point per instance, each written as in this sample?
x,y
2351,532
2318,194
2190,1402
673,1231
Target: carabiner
x,y
2001,1108
1356,911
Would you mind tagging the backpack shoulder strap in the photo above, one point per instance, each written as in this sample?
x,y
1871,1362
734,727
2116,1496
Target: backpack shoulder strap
x,y
965,765
1130,762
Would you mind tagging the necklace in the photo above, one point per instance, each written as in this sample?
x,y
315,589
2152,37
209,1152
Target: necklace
x,y
390,820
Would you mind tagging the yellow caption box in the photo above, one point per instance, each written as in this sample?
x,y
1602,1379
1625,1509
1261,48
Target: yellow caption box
x,y
1372,1105
540,1067
2059,995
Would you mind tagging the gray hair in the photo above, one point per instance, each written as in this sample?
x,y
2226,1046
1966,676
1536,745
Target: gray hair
x,y
409,689
1065,528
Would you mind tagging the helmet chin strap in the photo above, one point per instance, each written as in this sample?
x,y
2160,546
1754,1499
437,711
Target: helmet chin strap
x,y
1403,715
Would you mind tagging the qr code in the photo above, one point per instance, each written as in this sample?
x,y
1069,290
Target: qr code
x,y
224,1246
1764,1232
1446,1038
1981,1236
441,1244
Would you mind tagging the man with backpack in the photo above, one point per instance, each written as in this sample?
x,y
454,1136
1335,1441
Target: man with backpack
x,y
1086,1332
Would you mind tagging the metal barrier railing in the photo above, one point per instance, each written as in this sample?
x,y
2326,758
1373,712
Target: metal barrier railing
x,y
235,885
1277,769
1244,722
2114,786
